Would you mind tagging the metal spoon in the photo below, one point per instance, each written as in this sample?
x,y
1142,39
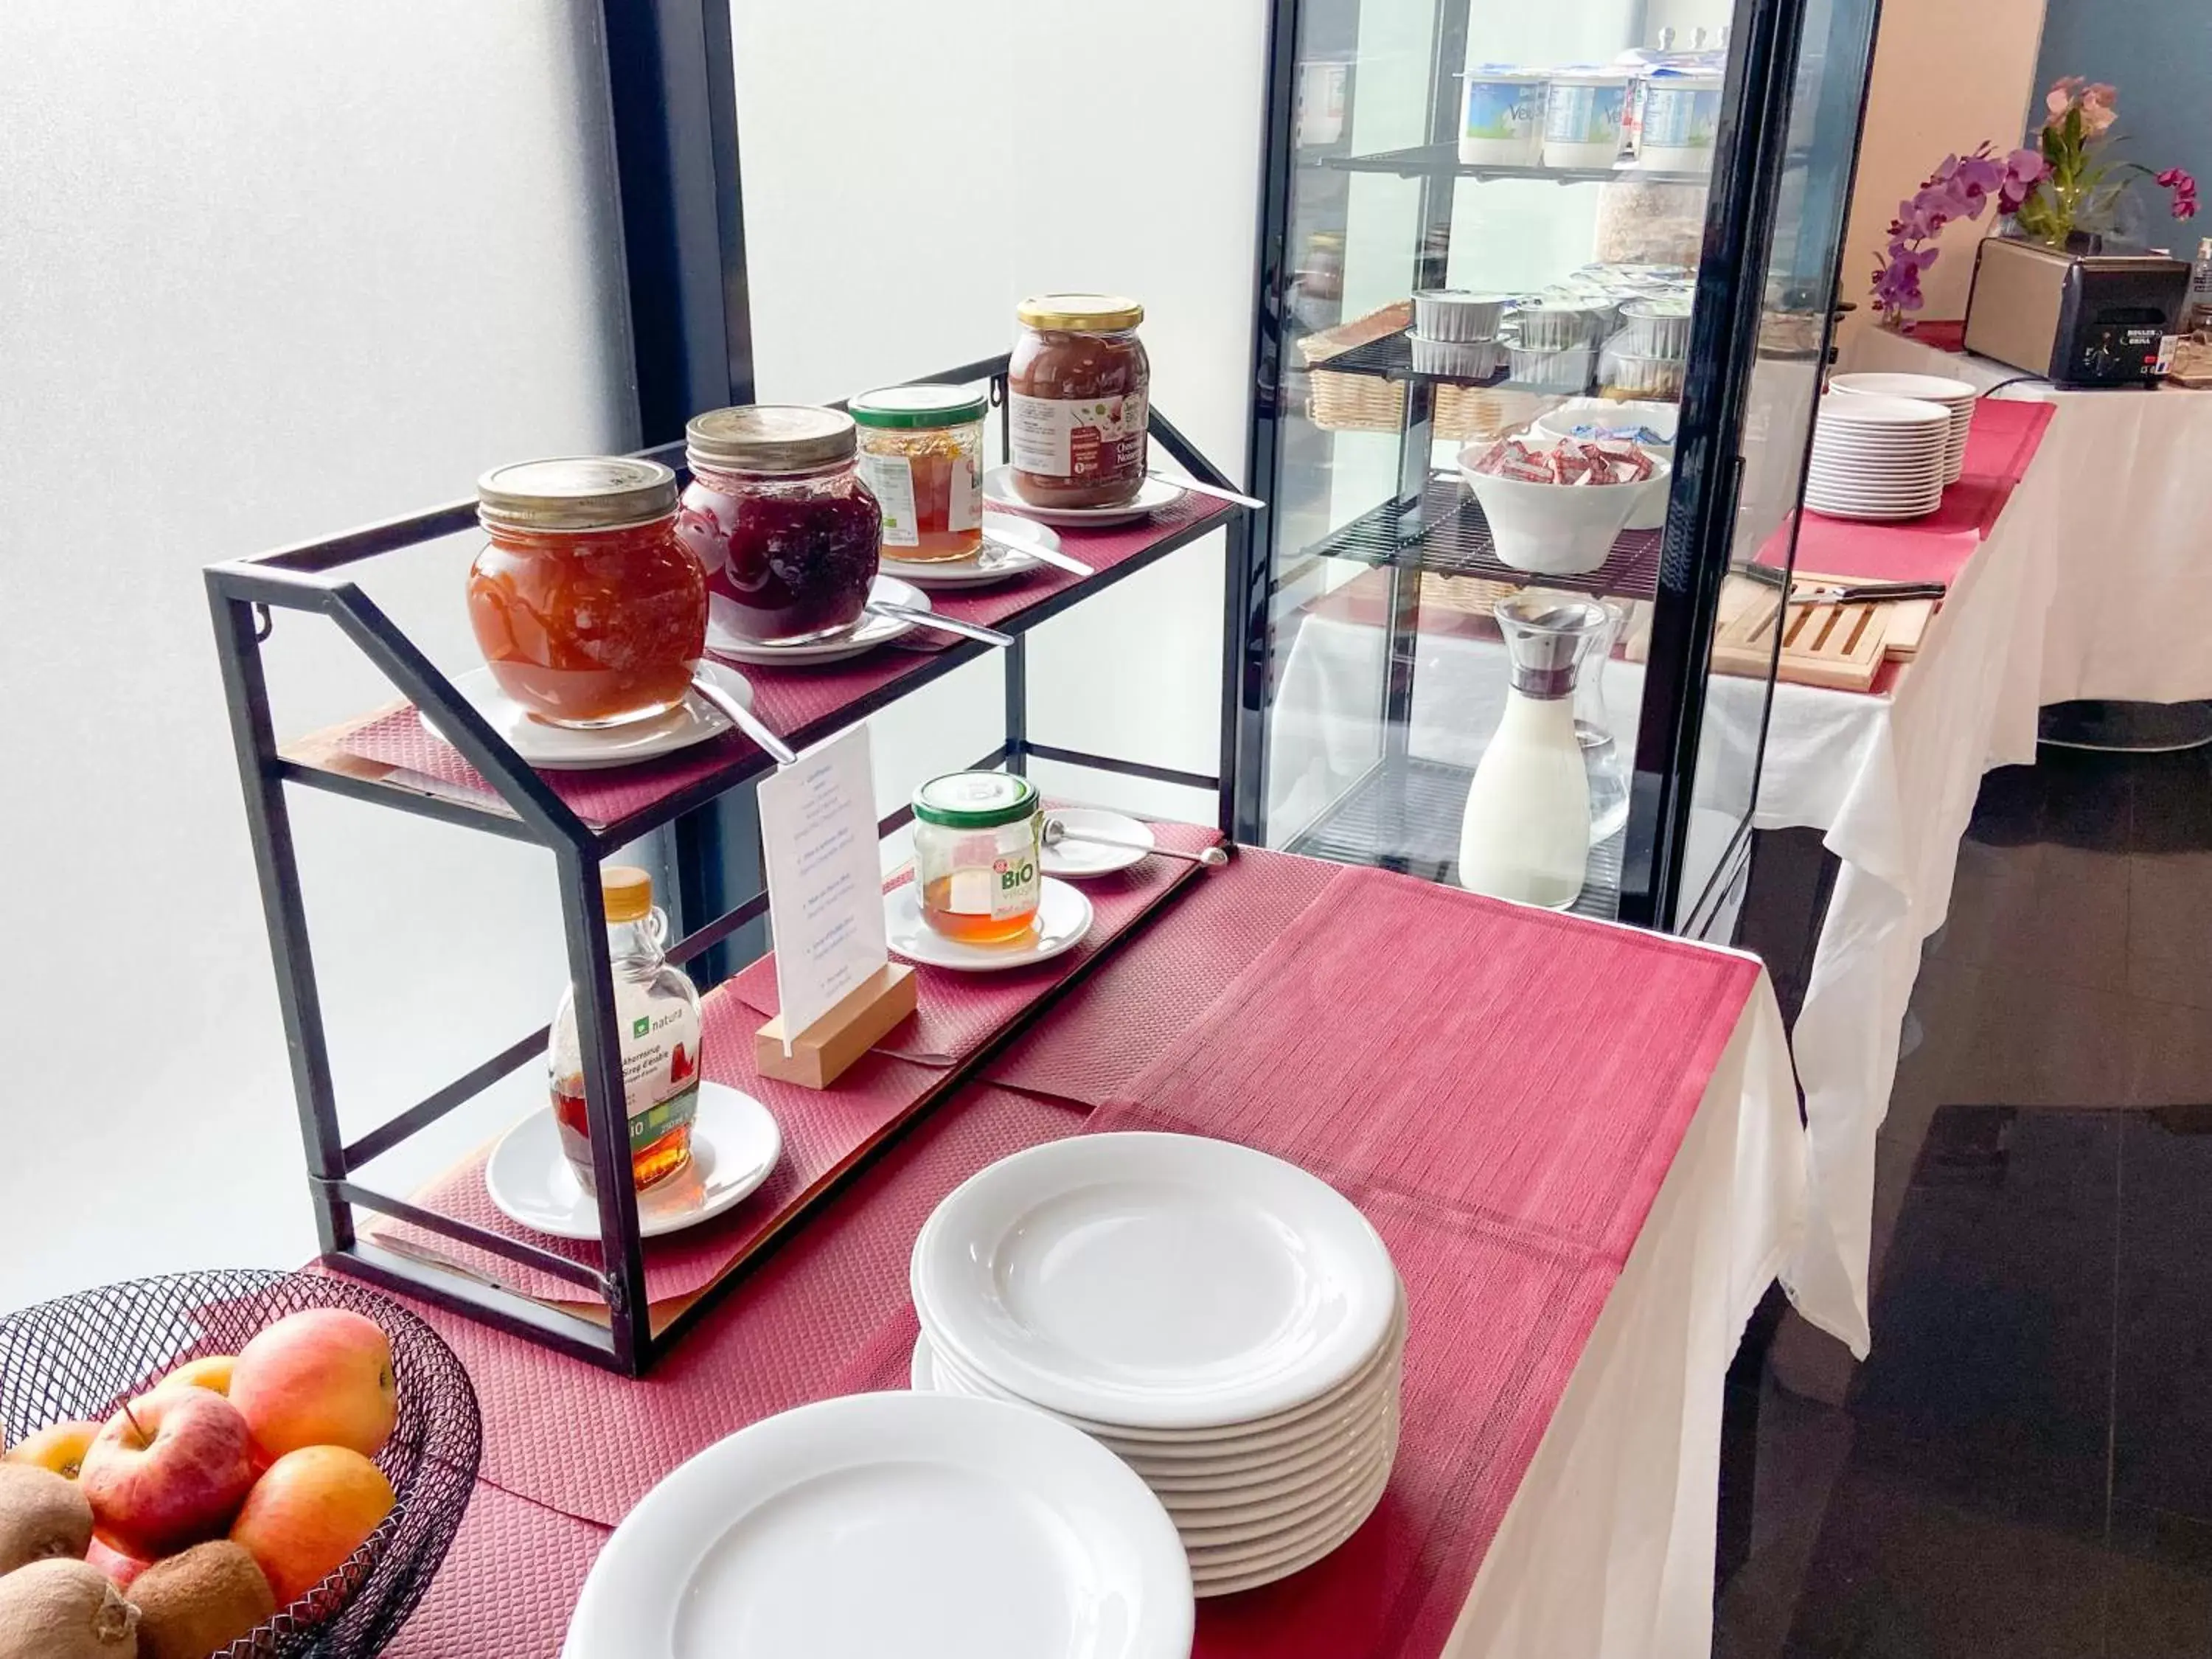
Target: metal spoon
x,y
939,621
1056,831
1198,489
1051,555
743,718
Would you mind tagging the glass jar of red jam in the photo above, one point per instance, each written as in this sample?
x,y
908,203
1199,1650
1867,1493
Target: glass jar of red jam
x,y
588,610
1079,388
788,532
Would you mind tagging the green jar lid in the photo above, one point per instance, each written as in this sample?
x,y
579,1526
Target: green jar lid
x,y
975,800
905,408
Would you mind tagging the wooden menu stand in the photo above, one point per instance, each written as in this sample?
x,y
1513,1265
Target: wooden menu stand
x,y
821,1053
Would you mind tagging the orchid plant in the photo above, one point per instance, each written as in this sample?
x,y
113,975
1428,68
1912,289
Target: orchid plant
x,y
2080,191
1960,189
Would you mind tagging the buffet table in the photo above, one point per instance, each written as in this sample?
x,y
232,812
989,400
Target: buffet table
x,y
1579,1142
1889,776
2126,535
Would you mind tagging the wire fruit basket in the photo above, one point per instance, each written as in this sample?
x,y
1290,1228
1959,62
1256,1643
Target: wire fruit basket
x,y
81,1355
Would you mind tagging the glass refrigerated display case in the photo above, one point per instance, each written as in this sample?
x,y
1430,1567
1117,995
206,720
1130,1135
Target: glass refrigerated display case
x,y
1564,246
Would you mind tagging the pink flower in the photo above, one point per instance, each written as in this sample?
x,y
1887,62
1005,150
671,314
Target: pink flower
x,y
2183,186
2061,94
2096,118
2024,170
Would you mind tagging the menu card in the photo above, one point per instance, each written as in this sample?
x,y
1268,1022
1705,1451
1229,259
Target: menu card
x,y
818,818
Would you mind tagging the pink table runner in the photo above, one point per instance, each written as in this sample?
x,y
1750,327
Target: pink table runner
x,y
798,702
957,1013
2000,446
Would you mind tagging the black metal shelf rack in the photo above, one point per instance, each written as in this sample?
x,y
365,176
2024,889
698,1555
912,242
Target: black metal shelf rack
x,y
1442,161
312,578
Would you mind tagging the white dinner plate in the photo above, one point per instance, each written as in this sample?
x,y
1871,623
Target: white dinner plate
x,y
923,1525
1867,515
865,634
1349,1399
1156,1281
990,563
1063,917
1151,495
1210,1550
573,749
1227,1578
1921,388
735,1143
1078,858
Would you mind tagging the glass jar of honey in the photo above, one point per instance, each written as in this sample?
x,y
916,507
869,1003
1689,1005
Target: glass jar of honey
x,y
658,1022
588,609
976,855
779,516
921,451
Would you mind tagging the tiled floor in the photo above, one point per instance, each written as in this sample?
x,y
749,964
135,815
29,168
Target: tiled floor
x,y
2023,1468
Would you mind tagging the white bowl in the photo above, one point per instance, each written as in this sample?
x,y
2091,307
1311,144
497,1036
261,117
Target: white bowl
x,y
1561,422
1557,529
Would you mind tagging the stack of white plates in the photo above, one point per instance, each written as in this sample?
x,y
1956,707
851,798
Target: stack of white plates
x,y
1226,1323
1877,458
1955,395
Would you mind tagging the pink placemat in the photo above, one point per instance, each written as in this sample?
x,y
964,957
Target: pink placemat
x,y
1528,1072
579,1440
1114,1024
822,1130
957,1013
507,1586
1502,1100
1999,447
801,703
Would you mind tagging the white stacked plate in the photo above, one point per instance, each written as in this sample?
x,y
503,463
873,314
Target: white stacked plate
x,y
1228,1325
1955,395
1877,458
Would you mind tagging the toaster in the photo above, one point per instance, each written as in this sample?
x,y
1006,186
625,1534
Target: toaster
x,y
2078,320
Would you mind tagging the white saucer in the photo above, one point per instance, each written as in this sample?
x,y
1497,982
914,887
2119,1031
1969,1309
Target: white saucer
x,y
865,634
922,1525
1063,917
1151,496
574,748
1078,858
991,563
735,1143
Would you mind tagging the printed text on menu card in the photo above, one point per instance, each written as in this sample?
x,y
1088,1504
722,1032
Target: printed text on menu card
x,y
824,878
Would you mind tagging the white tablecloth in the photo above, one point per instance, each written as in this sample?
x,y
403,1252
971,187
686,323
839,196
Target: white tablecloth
x,y
1607,1550
2094,582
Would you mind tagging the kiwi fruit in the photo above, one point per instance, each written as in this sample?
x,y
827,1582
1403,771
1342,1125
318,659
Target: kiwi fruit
x,y
65,1609
41,1515
200,1601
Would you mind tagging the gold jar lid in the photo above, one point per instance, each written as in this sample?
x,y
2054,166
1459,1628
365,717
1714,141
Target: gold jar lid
x,y
627,892
769,438
1081,313
575,492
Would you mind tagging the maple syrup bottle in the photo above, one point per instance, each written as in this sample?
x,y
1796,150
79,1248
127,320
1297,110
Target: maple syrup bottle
x,y
657,1015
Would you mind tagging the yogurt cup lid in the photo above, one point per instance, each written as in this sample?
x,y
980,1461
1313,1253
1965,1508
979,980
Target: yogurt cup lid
x,y
1592,75
1503,72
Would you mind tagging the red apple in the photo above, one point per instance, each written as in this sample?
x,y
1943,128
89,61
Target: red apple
x,y
168,1470
120,1569
319,1377
59,1446
313,1509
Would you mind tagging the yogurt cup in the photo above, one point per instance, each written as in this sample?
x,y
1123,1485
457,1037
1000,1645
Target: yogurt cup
x,y
1681,120
1583,109
1502,116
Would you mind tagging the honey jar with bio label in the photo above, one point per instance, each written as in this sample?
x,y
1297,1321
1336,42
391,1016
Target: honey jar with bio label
x,y
976,858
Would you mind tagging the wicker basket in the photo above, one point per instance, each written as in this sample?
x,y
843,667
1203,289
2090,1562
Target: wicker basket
x,y
1366,403
81,1355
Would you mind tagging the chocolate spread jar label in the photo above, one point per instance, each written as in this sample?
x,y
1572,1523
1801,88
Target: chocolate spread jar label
x,y
1087,438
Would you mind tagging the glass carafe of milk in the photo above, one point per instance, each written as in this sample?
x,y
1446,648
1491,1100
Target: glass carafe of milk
x,y
1527,833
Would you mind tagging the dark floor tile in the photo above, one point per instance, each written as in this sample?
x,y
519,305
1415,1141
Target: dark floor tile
x,y
2042,1042
2009,810
1903,1572
2087,800
1990,1376
2169,932
2163,1425
2172,803
2168,1052
2158,1594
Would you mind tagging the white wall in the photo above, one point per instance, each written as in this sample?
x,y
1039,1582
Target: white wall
x,y
269,271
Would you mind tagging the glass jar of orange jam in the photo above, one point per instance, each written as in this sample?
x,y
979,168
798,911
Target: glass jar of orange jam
x,y
588,610
921,453
976,855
